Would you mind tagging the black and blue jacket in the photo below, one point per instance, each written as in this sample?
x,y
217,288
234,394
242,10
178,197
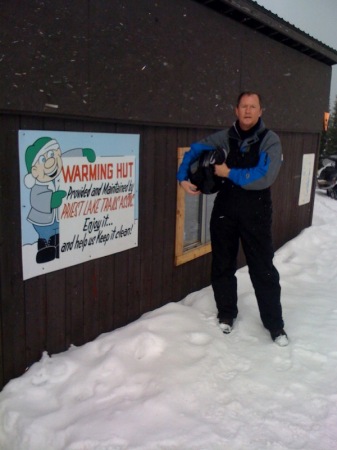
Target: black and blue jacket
x,y
254,157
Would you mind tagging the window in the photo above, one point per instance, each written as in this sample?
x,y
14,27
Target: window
x,y
192,222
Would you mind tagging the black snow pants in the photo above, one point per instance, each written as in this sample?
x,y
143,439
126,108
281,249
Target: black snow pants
x,y
246,216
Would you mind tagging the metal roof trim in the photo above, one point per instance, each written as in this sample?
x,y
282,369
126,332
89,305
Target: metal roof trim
x,y
255,16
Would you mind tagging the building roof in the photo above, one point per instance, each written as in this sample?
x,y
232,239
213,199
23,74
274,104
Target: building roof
x,y
254,16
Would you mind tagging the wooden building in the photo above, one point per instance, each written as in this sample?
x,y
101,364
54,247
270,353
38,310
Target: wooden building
x,y
169,71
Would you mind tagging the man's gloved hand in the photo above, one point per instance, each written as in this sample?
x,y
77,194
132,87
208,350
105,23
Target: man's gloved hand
x,y
56,198
89,154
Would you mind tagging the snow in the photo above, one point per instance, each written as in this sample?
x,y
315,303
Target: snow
x,y
173,381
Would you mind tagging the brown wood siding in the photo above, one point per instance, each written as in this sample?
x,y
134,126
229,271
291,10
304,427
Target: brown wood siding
x,y
76,304
289,218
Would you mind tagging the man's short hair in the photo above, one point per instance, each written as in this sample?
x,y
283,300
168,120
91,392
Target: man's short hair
x,y
249,93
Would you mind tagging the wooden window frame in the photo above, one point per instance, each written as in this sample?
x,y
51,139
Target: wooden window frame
x,y
181,256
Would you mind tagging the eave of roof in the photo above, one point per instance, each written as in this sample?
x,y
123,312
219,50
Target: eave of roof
x,y
255,16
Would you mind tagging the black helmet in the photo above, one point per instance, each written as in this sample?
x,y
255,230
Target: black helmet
x,y
201,172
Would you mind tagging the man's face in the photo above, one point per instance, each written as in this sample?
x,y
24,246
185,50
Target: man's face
x,y
48,166
248,111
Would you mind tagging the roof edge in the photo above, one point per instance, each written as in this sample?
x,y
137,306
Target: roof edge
x,y
251,14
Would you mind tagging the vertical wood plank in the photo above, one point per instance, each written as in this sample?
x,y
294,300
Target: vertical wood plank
x,y
12,306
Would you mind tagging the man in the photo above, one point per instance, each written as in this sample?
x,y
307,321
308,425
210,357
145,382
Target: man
x,y
243,211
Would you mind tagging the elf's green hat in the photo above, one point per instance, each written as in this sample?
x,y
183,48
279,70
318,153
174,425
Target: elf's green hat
x,y
32,154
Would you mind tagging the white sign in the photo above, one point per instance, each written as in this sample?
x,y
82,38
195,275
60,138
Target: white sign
x,y
79,197
306,178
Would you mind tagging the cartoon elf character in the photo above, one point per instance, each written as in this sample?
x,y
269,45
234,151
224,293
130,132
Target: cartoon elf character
x,y
44,163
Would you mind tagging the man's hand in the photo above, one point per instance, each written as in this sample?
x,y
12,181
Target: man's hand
x,y
221,170
189,188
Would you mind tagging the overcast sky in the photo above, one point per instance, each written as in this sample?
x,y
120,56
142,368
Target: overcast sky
x,y
316,17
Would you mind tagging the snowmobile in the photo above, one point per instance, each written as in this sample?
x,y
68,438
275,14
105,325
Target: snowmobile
x,y
327,176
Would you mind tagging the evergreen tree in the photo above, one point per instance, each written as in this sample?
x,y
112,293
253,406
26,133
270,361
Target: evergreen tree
x,y
322,146
330,145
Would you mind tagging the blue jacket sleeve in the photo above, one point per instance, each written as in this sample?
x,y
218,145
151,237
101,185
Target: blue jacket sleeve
x,y
265,172
246,176
192,155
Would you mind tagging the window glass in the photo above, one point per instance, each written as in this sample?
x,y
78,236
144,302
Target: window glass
x,y
192,223
193,214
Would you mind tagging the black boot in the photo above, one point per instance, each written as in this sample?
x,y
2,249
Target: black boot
x,y
55,242
45,252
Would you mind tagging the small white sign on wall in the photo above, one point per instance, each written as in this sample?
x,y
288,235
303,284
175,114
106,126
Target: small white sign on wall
x,y
306,178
